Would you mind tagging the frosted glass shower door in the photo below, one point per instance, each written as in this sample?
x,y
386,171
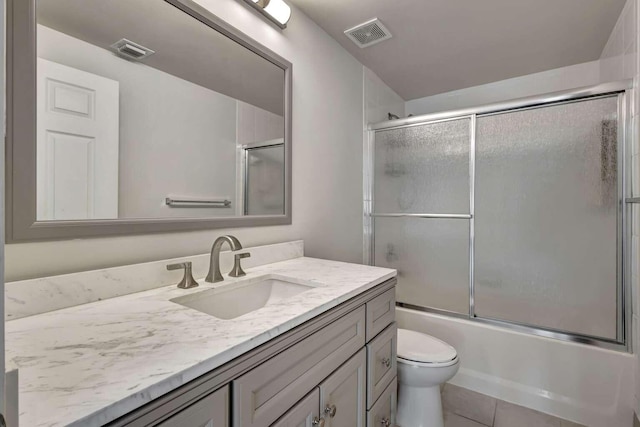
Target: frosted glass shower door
x,y
432,259
420,171
546,217
264,180
423,169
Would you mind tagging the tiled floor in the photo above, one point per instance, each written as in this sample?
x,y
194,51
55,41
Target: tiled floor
x,y
466,408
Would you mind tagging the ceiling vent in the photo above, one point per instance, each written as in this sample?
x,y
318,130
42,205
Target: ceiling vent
x,y
130,50
368,33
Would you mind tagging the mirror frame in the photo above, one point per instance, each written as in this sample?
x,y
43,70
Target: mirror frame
x,y
20,148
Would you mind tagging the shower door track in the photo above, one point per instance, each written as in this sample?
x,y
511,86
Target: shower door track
x,y
623,267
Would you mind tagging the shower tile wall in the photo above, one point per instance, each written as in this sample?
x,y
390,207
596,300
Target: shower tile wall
x,y
257,125
379,99
620,60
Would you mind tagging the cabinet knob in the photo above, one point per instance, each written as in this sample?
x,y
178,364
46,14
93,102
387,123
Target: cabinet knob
x,y
319,422
386,362
385,422
330,410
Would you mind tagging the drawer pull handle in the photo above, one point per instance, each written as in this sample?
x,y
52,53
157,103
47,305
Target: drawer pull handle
x,y
386,422
386,362
318,422
330,410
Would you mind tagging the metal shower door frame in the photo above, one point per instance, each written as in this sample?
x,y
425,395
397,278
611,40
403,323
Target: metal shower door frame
x,y
620,89
245,168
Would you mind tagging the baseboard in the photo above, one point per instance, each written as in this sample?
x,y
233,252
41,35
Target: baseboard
x,y
540,400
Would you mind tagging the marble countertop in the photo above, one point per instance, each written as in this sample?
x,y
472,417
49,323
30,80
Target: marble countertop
x,y
90,364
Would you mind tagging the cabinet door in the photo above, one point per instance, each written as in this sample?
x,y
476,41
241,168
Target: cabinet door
x,y
304,414
383,412
343,393
265,393
381,363
211,411
381,312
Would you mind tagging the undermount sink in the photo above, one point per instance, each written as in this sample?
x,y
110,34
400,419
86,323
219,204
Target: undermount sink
x,y
235,299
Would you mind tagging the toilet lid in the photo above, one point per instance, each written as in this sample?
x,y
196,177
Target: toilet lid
x,y
423,348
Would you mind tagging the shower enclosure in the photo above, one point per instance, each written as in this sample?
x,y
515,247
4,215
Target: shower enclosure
x,y
512,214
263,167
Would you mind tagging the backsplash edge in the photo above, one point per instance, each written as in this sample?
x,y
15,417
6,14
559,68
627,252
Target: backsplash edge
x,y
35,296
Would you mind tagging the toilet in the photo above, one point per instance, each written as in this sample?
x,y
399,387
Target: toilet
x,y
424,363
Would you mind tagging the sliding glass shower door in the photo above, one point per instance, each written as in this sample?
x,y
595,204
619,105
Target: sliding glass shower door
x,y
512,217
546,217
422,205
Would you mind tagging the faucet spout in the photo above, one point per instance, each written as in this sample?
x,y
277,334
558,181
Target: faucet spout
x,y
214,274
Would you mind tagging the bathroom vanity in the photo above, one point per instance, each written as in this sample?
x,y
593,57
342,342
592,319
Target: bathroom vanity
x,y
320,351
337,369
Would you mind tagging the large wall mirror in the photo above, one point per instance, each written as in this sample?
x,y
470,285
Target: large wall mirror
x,y
141,116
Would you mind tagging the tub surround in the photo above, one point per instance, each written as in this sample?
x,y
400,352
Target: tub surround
x,y
585,384
90,364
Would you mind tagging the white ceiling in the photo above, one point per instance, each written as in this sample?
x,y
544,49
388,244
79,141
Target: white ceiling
x,y
444,45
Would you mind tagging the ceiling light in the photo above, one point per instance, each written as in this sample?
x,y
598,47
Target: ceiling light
x,y
276,10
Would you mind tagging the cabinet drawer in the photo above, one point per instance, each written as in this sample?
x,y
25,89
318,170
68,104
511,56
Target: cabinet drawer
x,y
383,412
304,413
265,393
381,363
342,395
381,312
210,411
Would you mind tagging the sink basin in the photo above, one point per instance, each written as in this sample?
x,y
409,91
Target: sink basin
x,y
235,299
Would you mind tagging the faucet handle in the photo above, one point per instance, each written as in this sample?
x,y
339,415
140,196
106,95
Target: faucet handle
x,y
187,281
237,270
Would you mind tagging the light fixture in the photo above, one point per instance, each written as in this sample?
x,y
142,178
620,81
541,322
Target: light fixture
x,y
276,11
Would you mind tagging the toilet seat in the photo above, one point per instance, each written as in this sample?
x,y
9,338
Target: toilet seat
x,y
428,364
418,349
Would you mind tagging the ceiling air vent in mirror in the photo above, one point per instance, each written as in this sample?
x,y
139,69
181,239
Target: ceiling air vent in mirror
x,y
368,33
130,50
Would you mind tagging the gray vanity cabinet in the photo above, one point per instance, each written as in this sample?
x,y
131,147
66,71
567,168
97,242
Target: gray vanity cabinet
x,y
381,311
338,402
335,370
343,394
383,412
381,363
304,414
210,411
263,394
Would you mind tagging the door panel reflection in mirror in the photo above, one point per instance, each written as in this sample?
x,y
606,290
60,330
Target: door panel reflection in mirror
x,y
77,144
117,136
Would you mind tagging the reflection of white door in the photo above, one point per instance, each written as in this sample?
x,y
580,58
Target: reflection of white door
x,y
77,160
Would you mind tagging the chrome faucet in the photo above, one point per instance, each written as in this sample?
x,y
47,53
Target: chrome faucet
x,y
214,274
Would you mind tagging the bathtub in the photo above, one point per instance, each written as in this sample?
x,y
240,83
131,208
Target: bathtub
x,y
585,384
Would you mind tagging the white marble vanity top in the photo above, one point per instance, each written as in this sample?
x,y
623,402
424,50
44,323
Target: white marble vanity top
x,y
92,363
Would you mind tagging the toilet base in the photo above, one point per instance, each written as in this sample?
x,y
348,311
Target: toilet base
x,y
419,407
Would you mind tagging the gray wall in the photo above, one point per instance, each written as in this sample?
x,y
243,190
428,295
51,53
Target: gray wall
x,y
327,164
176,138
